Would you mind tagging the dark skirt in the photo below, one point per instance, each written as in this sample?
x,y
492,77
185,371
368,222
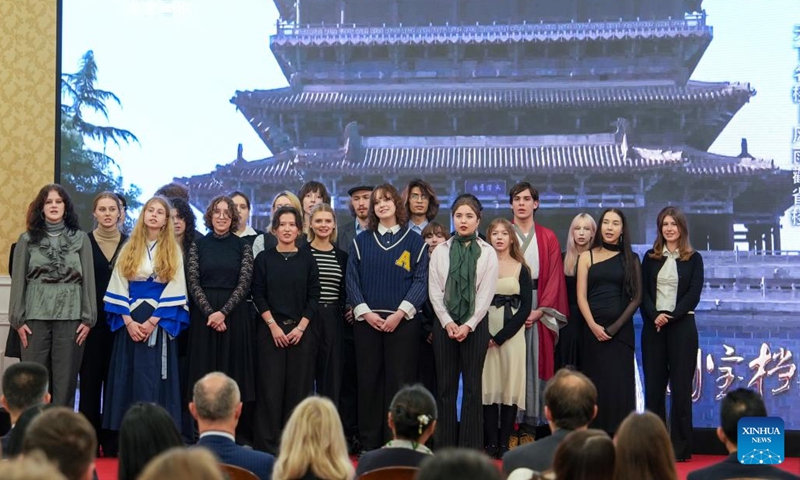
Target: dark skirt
x,y
140,373
229,352
570,339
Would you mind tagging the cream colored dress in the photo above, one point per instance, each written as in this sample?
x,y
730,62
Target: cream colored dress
x,y
504,368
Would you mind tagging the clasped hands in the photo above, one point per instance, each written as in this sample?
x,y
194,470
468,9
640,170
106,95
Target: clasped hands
x,y
140,332
457,332
661,320
388,324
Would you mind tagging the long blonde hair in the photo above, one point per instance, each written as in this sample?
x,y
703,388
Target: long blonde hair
x,y
313,441
322,207
168,254
571,258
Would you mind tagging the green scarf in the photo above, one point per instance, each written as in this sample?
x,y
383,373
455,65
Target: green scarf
x,y
459,291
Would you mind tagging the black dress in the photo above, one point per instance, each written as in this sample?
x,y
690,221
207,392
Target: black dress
x,y
610,364
569,344
98,349
220,270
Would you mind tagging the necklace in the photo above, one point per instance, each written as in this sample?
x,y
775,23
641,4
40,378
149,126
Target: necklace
x,y
54,234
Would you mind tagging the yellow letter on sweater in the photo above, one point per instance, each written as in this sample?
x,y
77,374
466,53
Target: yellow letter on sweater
x,y
404,261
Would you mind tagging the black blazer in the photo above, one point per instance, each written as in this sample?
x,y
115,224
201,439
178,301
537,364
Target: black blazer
x,y
389,457
690,286
227,451
731,468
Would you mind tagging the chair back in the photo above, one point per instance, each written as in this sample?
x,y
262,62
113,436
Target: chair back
x,y
237,473
390,473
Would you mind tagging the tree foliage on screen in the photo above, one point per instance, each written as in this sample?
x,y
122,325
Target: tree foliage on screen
x,y
85,169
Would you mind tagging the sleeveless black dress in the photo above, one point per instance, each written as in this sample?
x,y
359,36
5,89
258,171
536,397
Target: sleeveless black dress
x,y
610,364
568,349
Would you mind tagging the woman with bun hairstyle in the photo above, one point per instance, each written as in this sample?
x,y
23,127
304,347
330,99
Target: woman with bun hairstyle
x,y
412,420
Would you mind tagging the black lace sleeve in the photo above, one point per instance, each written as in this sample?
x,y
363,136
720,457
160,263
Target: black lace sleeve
x,y
195,289
242,289
627,314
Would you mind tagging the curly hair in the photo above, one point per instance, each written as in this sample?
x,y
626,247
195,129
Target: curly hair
x,y
185,213
387,191
233,212
35,217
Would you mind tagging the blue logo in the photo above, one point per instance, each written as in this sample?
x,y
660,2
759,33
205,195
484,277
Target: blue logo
x,y
760,440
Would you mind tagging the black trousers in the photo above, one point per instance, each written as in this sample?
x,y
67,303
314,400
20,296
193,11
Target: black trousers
x,y
94,375
284,377
329,329
670,356
466,359
386,362
348,396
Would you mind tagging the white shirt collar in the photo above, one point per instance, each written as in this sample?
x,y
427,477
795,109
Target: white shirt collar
x,y
382,230
218,433
248,231
666,253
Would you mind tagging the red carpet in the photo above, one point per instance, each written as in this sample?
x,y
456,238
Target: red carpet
x,y
107,467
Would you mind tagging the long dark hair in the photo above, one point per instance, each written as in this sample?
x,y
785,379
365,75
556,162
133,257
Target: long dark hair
x,y
35,216
629,259
427,190
146,431
185,213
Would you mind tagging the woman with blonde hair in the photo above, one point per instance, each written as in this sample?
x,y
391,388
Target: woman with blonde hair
x,y
503,373
146,296
329,322
268,240
643,449
313,444
182,463
579,239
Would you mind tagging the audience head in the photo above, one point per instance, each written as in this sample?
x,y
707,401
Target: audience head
x,y
313,442
420,199
386,204
585,455
434,233
17,435
322,219
359,201
173,189
644,449
524,200
181,463
51,205
222,215
739,403
146,431
66,438
312,194
34,466
570,400
216,399
412,414
24,385
460,463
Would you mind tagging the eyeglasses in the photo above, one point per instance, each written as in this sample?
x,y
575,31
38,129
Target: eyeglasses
x,y
417,196
221,214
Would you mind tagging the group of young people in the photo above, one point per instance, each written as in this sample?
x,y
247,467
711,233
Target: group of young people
x,y
354,310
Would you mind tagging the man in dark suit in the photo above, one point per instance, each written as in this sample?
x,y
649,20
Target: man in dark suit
x,y
24,385
216,405
570,403
738,404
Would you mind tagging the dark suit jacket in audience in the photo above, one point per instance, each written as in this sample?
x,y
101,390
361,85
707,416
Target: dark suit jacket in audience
x,y
537,456
389,457
228,452
731,468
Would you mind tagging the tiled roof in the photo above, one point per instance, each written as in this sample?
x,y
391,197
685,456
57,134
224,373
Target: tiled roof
x,y
517,160
458,97
293,35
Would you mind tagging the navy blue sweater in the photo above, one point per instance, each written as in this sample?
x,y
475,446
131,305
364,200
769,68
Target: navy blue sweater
x,y
384,270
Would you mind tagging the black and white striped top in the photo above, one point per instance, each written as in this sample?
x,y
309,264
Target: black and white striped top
x,y
330,275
